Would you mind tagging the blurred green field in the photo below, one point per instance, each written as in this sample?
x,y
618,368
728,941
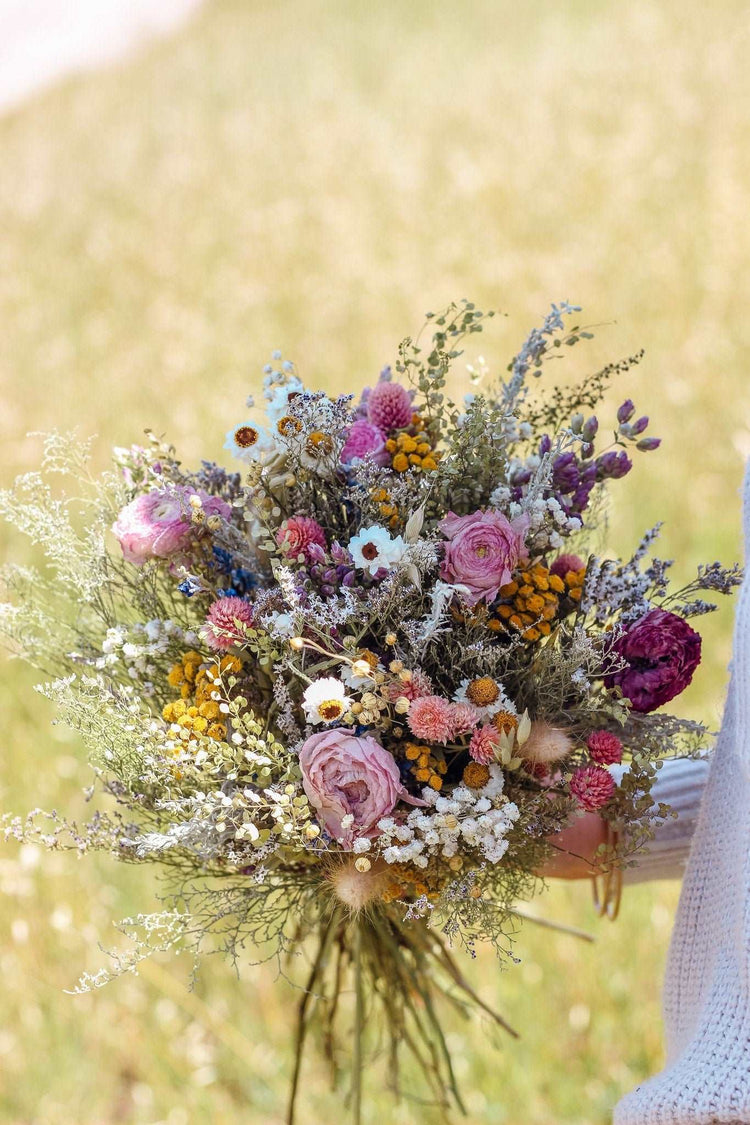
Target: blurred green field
x,y
314,176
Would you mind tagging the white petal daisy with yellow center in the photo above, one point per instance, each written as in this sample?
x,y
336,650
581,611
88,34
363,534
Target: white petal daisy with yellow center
x,y
325,701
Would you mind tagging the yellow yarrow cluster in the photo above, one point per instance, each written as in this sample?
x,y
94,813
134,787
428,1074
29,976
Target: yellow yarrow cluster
x,y
413,450
197,711
530,603
427,768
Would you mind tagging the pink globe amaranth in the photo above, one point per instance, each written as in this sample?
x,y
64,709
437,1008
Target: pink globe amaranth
x,y
592,787
348,775
221,630
420,684
389,406
604,747
158,524
482,551
483,745
465,718
431,718
364,438
661,653
300,535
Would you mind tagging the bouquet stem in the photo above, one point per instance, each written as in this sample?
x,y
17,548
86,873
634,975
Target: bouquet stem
x,y
358,1026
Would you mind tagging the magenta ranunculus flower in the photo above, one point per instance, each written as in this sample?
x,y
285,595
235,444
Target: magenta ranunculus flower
x,y
661,653
299,533
345,775
158,524
364,438
481,551
221,630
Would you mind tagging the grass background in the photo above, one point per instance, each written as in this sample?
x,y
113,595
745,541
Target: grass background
x,y
313,176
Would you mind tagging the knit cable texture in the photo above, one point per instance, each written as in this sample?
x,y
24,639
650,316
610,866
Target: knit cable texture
x,y
706,1079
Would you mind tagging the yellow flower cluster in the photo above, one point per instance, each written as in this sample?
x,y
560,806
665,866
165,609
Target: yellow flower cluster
x,y
532,601
427,768
388,510
413,450
196,710
407,883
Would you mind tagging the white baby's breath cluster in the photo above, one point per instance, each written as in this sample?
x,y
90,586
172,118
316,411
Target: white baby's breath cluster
x,y
469,818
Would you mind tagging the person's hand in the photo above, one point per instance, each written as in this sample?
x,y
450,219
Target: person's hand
x,y
575,849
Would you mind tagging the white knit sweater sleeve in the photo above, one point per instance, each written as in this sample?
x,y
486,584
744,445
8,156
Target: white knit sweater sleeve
x,y
706,1080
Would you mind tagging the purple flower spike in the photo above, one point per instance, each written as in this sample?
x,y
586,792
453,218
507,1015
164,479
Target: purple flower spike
x,y
626,411
545,445
646,444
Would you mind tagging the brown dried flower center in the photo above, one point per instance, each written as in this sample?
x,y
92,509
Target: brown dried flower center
x,y
288,425
369,552
245,436
482,692
331,709
319,444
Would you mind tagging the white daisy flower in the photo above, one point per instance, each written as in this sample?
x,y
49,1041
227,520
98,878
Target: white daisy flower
x,y
325,701
277,393
249,442
374,549
486,695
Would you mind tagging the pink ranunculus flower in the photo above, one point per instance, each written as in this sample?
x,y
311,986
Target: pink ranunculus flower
x,y
348,775
157,525
364,438
299,534
482,551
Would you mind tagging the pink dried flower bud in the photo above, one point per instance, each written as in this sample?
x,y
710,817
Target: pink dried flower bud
x,y
592,787
604,747
431,718
484,744
389,406
226,621
299,535
465,718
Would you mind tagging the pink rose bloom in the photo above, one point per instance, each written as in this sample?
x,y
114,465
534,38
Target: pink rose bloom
x,y
364,438
157,525
221,630
301,534
345,775
482,551
431,718
389,406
